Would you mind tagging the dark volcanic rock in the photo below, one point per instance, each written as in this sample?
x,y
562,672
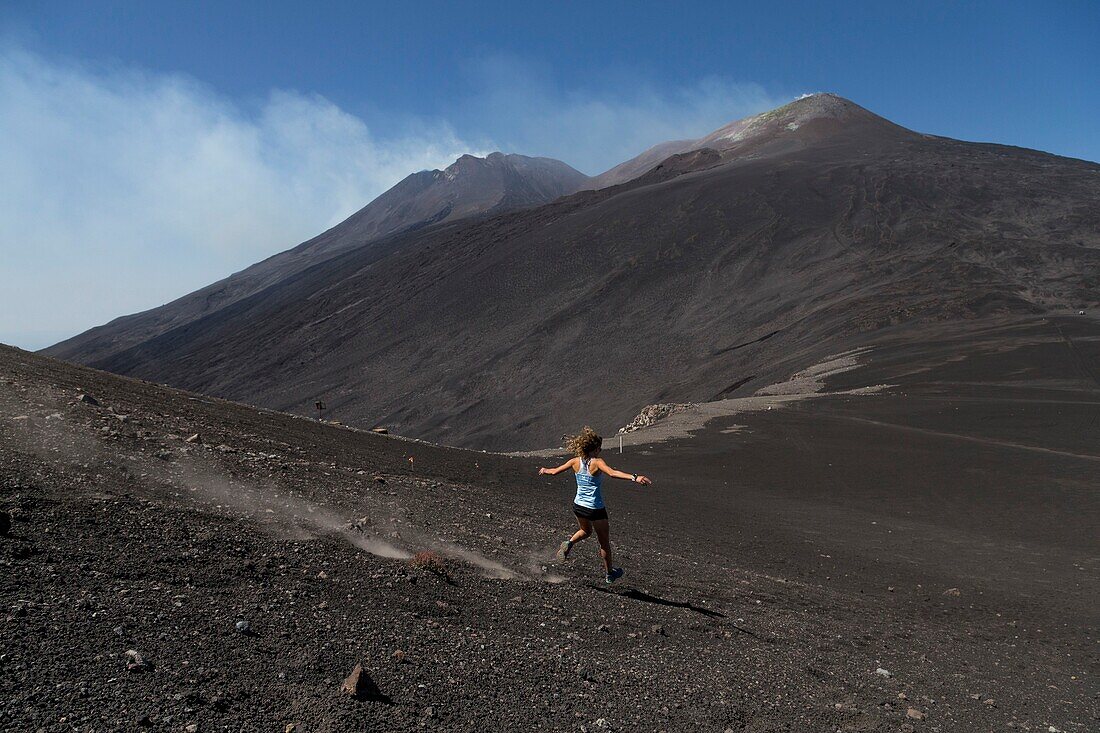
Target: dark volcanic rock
x,y
135,662
354,682
758,561
360,686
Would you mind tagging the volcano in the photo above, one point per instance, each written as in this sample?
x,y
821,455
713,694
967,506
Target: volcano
x,y
736,261
468,187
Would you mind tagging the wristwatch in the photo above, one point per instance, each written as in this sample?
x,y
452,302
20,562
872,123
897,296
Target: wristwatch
x,y
635,479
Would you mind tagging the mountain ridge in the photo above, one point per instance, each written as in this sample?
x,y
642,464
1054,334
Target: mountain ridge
x,y
419,200
496,183
590,307
820,110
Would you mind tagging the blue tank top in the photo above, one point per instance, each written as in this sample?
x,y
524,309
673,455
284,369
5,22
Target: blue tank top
x,y
588,488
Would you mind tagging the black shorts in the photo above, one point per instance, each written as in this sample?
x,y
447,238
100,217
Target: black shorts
x,y
588,513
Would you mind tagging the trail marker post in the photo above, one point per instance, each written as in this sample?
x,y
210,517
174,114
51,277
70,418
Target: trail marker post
x,y
320,407
620,444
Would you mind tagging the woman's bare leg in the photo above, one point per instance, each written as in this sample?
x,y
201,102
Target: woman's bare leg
x,y
603,536
580,534
584,531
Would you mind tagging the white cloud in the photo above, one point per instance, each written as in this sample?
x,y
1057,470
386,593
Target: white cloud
x,y
122,190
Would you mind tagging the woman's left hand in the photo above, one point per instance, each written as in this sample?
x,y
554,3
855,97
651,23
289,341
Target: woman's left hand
x,y
643,480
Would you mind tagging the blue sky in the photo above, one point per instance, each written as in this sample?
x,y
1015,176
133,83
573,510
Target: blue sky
x,y
154,147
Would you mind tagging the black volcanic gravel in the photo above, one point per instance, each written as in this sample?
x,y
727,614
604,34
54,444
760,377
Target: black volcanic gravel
x,y
126,537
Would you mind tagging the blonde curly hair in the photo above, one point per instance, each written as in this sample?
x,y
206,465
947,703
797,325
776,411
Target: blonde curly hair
x,y
585,443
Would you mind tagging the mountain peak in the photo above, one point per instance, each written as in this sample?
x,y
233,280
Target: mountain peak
x,y
542,179
795,124
822,101
822,107
467,162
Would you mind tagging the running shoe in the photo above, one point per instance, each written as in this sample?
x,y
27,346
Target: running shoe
x,y
563,550
614,575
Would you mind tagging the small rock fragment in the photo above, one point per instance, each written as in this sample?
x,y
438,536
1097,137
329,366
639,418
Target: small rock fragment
x,y
291,728
380,431
356,682
399,656
87,399
881,672
914,714
243,626
953,592
192,728
5,523
136,662
196,438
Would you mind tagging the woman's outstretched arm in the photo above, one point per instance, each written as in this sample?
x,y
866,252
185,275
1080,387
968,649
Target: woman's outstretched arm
x,y
638,478
559,469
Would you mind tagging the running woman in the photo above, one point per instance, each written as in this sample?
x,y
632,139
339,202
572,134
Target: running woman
x,y
588,505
